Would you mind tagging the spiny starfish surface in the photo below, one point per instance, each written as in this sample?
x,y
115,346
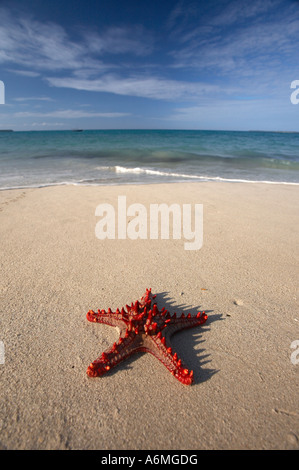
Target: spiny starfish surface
x,y
143,327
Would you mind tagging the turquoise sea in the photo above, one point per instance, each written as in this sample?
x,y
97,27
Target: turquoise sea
x,y
99,157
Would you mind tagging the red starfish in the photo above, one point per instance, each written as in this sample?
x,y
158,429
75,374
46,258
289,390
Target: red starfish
x,y
144,328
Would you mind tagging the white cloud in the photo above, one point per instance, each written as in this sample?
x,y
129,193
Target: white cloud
x,y
41,46
67,114
252,41
25,73
33,98
47,124
146,87
120,40
29,43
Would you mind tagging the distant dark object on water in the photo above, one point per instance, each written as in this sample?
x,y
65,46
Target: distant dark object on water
x,y
6,130
77,130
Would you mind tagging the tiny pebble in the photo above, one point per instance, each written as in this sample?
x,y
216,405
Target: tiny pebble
x,y
238,302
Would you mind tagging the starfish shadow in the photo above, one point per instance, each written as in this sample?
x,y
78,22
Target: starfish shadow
x,y
192,337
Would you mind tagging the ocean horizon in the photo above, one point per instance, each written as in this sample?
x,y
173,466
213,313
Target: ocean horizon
x,y
111,157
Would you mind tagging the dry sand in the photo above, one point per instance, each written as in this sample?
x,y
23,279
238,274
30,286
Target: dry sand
x,y
54,269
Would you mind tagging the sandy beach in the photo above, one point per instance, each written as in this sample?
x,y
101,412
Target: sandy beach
x,y
245,276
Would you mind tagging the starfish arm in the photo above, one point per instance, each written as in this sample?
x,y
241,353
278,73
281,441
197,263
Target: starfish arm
x,y
127,345
184,322
112,319
157,346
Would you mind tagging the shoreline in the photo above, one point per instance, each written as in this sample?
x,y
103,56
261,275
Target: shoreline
x,y
54,269
216,180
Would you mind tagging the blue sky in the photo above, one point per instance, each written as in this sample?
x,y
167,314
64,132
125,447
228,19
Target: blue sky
x,y
101,64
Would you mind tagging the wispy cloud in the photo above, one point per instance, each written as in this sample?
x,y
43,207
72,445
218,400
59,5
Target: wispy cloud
x,y
146,87
42,46
48,46
68,114
33,98
120,40
245,41
24,73
47,124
